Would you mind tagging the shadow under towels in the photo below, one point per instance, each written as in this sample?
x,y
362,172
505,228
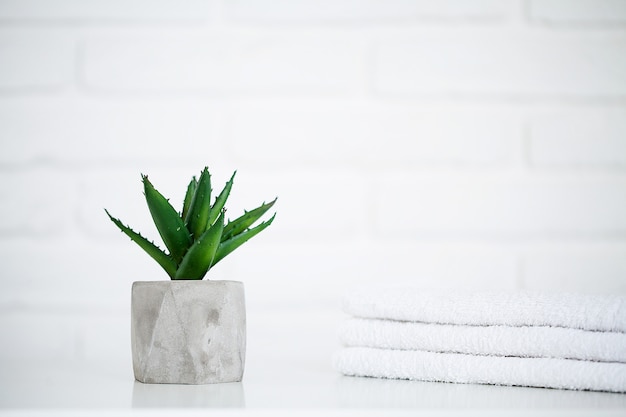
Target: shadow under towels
x,y
565,341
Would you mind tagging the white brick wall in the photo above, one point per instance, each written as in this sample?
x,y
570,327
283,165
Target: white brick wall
x,y
35,60
344,132
452,144
501,207
497,63
224,63
358,11
63,11
75,130
593,137
601,12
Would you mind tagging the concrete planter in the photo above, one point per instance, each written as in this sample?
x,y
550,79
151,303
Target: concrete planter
x,y
188,332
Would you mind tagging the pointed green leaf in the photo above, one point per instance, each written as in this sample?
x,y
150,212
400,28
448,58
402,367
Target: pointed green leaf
x,y
169,224
237,226
151,249
229,245
200,256
198,214
191,189
220,201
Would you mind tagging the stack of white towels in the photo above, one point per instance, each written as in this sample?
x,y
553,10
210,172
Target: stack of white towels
x,y
565,341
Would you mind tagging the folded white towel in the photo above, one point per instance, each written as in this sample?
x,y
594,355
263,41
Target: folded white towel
x,y
588,312
525,341
495,370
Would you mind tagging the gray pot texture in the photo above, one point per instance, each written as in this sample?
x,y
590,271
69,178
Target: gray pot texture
x,y
188,332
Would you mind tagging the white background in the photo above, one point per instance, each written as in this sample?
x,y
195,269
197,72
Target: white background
x,y
474,144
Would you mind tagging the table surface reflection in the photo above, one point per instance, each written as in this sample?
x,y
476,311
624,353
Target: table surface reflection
x,y
288,368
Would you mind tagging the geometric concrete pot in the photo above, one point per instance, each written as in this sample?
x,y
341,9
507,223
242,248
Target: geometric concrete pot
x,y
188,331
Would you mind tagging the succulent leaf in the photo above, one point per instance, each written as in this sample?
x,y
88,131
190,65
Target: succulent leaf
x,y
229,245
151,249
191,189
237,226
198,214
199,257
198,237
168,222
220,201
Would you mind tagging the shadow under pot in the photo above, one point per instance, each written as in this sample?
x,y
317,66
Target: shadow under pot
x,y
188,332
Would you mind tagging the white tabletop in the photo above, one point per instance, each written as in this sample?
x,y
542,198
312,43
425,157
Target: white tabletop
x,y
288,370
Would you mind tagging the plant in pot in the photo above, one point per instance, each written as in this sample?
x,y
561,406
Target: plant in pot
x,y
189,330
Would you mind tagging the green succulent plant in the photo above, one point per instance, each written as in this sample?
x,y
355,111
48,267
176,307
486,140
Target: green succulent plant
x,y
198,237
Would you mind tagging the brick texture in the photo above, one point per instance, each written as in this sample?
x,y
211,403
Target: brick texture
x,y
36,203
35,59
499,207
86,130
503,64
578,11
591,268
454,144
362,11
240,64
340,133
579,137
94,10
